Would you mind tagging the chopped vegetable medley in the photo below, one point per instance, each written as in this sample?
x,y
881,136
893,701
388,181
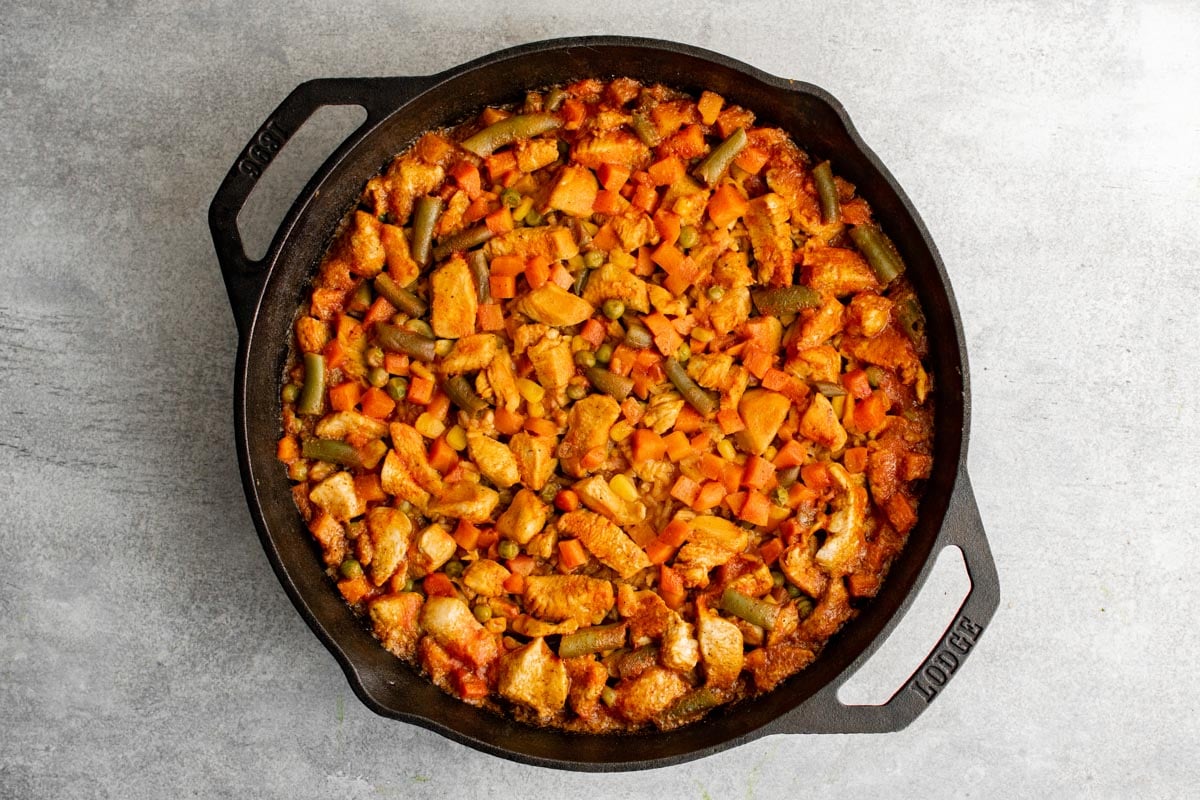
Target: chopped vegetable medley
x,y
609,409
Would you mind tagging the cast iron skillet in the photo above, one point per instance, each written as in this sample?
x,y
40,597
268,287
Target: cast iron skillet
x,y
265,294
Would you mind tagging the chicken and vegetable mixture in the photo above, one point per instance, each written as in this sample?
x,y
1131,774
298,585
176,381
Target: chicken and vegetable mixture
x,y
608,409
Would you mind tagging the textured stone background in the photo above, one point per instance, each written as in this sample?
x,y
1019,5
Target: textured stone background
x,y
147,651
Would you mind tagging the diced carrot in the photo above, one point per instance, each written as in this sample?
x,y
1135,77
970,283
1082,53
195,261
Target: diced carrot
x,y
560,275
344,396
594,331
676,532
571,555
770,551
791,454
439,406
466,175
500,221
490,317
659,552
522,564
666,338
668,256
623,359
537,271
752,159
647,446
870,413
666,171
668,226
288,449
607,202
730,421
487,538
687,143
437,584
900,512
712,466
395,363
507,266
688,421
442,456
758,361
685,490
632,410
670,587
726,205
677,445
789,385
508,422
500,164
701,442
606,238
594,458
645,263
514,584
709,105
646,378
758,473
540,426
801,495
355,589
477,210
573,112
735,501
467,535
468,686
710,496
613,176
379,311
646,198
855,459
420,390
756,510
376,403
816,476
857,384
503,287
566,500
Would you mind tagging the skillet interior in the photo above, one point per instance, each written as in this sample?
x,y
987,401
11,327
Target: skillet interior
x,y
387,686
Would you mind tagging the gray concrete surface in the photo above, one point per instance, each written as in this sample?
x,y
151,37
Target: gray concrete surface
x,y
146,650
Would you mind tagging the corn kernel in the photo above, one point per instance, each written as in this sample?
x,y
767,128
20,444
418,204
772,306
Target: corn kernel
x,y
621,431
456,437
727,450
420,370
523,208
838,403
623,487
429,426
579,343
496,624
770,453
703,335
442,347
622,259
536,410
532,392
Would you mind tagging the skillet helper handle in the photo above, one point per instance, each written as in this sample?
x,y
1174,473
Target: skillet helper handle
x,y
244,277
825,713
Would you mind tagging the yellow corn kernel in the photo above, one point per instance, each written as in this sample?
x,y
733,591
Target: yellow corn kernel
x,y
456,437
703,335
727,450
579,343
623,487
770,453
536,410
622,259
838,403
522,209
496,624
442,347
420,370
621,431
429,426
532,392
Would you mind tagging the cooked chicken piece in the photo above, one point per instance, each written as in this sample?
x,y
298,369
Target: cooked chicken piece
x,y
526,336
772,241
611,147
395,621
467,501
732,270
337,497
409,445
502,377
822,363
720,648
397,480
588,678
551,304
710,371
526,625
891,349
796,188
713,541
634,228
556,598
885,461
452,625
574,193
341,424
486,577
679,650
646,612
524,517
611,282
400,264
452,219
552,361
663,410
549,241
799,566
837,270
870,314
432,548
820,424
719,532
844,547
829,614
455,299
407,179
533,154
727,313
667,303
588,426
534,677
470,353
535,458
763,412
768,333
753,577
331,535
495,460
689,206
771,664
608,543
367,255
390,533
312,334
649,694
817,326
597,495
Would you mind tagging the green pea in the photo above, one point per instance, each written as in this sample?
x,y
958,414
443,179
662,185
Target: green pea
x,y
585,358
593,259
715,293
374,356
777,578
577,391
793,591
378,377
397,389
683,353
508,549
453,568
409,584
510,198
442,347
533,218
689,237
482,612
351,569
613,309
291,392
604,353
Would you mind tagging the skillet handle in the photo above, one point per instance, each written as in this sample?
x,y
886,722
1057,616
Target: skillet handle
x,y
825,713
244,277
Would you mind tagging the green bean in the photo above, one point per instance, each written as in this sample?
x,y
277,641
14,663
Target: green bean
x,y
754,611
508,549
398,340
350,568
425,215
592,640
291,393
419,327
463,395
604,353
401,298
585,358
554,99
646,130
689,237
879,251
699,399
637,337
701,699
463,240
713,167
506,131
581,281
610,383
784,300
613,308
312,396
397,389
638,661
481,275
510,197
827,194
332,450
911,319
829,389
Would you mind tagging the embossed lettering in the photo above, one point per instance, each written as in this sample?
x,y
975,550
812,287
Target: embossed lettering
x,y
936,674
259,153
943,662
970,627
